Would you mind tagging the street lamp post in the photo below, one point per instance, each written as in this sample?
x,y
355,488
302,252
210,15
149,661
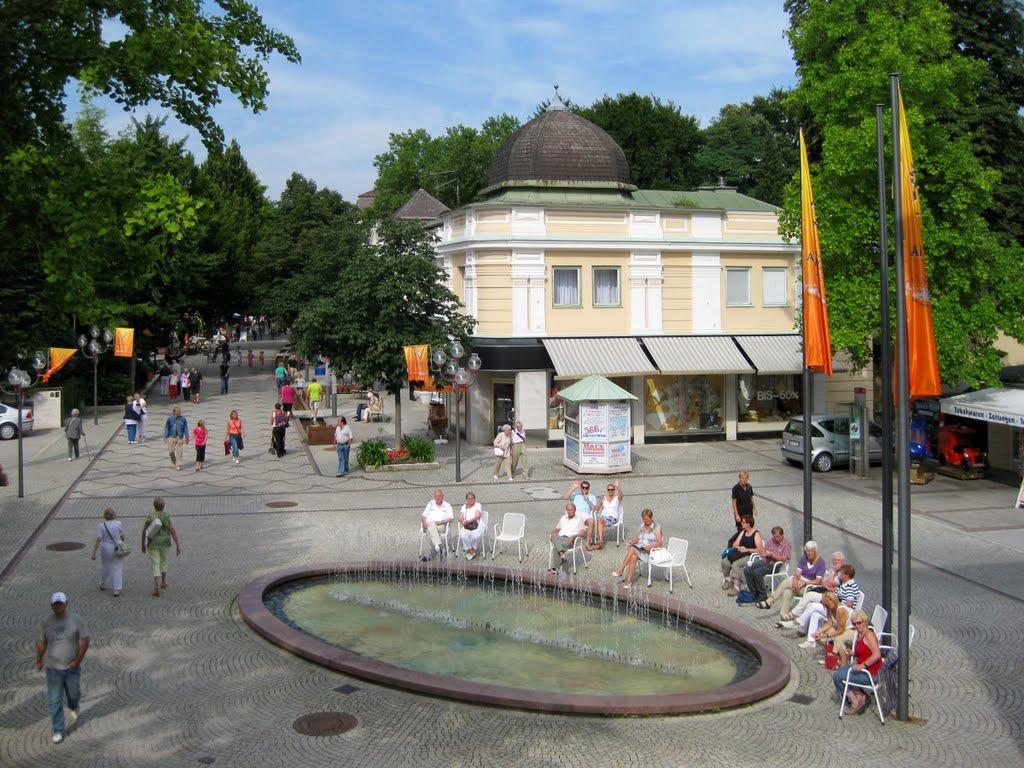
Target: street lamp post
x,y
94,348
448,367
18,381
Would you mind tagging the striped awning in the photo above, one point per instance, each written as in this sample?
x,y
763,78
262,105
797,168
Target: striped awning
x,y
696,354
608,356
774,354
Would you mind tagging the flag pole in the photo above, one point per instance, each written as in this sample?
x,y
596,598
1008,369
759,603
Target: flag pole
x,y
885,359
902,417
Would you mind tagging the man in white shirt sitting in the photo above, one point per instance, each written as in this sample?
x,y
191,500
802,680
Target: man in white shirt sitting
x,y
436,515
569,528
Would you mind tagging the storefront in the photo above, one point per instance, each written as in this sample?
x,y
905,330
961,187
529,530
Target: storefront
x,y
1003,411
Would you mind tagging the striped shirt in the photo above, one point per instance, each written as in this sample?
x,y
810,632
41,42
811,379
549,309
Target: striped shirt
x,y
847,592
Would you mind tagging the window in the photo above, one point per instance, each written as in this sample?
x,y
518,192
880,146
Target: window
x,y
737,287
606,287
566,286
774,289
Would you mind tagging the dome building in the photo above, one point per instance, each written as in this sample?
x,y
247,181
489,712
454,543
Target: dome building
x,y
688,300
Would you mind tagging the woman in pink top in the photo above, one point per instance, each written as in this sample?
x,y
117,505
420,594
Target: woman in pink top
x,y
199,434
234,435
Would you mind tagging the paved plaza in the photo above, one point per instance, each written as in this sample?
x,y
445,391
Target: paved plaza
x,y
182,681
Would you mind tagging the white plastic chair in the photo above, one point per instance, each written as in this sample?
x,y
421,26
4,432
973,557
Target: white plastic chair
x,y
858,603
879,617
511,528
893,642
871,685
576,550
670,557
457,547
780,571
619,529
445,542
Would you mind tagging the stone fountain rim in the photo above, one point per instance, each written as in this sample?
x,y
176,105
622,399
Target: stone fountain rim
x,y
769,679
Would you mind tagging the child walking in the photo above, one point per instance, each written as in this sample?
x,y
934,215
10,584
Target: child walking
x,y
199,434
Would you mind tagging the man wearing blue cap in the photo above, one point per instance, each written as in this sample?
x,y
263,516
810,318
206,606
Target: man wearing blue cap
x,y
62,645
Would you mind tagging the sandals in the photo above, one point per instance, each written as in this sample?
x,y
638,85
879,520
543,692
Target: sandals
x,y
763,604
787,616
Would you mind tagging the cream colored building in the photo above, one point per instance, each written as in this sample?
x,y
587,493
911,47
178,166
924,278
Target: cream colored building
x,y
687,299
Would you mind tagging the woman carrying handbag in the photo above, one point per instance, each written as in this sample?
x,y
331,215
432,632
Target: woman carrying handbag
x,y
112,551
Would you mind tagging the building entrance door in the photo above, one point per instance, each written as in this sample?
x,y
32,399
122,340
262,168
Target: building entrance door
x,y
502,405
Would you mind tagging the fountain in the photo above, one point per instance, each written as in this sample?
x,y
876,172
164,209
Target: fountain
x,y
515,638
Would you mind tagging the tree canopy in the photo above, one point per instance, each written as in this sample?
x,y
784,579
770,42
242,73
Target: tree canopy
x,y
845,52
174,53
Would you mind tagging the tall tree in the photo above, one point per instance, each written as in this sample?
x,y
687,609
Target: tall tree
x,y
453,168
306,238
751,146
390,293
844,53
660,142
174,52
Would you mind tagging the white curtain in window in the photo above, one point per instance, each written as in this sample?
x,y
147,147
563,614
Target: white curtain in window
x,y
606,286
737,287
567,287
775,293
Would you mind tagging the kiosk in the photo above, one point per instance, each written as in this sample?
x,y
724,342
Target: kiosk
x,y
598,415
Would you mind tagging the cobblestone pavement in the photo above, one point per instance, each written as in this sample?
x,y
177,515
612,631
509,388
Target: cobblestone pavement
x,y
180,680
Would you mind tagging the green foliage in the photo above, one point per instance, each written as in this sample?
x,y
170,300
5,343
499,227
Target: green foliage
x,y
419,449
659,141
175,53
845,52
752,147
453,168
372,453
385,295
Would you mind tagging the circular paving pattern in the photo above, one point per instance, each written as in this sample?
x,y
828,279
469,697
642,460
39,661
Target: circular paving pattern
x,y
325,723
65,546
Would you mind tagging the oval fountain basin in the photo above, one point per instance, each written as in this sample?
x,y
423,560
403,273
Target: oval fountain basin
x,y
515,638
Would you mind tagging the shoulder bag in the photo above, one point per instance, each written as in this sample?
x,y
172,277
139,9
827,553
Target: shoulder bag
x,y
120,548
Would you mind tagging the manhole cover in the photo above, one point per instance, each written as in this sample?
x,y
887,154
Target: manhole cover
x,y
346,689
65,546
206,760
282,504
800,698
325,724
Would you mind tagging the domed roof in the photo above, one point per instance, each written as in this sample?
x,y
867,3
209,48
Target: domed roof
x,y
559,146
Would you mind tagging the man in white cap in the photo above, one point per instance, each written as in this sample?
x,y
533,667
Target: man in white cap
x,y
62,645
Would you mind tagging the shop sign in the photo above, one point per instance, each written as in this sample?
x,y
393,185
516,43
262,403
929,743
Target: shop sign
x,y
781,394
594,454
593,422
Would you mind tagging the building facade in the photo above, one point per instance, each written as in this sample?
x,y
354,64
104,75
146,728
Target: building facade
x,y
686,299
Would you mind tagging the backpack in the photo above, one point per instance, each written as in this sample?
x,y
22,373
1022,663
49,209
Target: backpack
x,y
746,596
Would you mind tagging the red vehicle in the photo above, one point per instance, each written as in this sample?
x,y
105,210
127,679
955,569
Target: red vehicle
x,y
958,446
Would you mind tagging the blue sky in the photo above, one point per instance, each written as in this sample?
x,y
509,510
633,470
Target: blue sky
x,y
370,69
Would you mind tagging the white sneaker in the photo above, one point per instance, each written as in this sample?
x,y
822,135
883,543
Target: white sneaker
x,y
58,738
495,477
788,624
71,717
808,644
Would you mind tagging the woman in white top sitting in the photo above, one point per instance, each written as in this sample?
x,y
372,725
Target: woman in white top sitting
x,y
608,511
471,533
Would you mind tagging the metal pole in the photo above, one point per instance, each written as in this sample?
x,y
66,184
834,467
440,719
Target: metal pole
x,y
95,389
902,420
885,359
808,387
21,456
458,437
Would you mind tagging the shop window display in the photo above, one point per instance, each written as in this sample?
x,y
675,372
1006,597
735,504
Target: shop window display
x,y
684,403
768,397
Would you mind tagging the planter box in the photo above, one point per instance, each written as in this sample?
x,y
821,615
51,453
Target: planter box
x,y
402,467
319,435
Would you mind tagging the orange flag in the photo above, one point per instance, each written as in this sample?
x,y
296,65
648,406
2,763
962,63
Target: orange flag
x,y
124,342
58,358
817,344
921,355
417,361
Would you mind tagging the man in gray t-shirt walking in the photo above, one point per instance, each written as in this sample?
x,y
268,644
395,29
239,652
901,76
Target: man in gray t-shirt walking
x,y
62,645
